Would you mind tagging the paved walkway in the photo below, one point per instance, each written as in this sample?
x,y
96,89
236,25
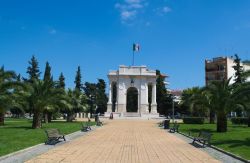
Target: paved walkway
x,y
129,141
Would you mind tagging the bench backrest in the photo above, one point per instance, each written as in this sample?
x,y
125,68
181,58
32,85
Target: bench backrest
x,y
205,135
53,132
176,125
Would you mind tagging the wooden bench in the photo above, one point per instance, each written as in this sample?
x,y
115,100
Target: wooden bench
x,y
175,128
86,126
54,135
160,124
99,123
203,138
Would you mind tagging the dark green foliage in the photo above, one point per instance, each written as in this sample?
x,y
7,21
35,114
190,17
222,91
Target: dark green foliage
x,y
43,96
47,114
164,100
61,83
239,120
78,80
247,62
47,74
8,86
18,78
76,101
239,77
194,120
17,112
224,97
132,100
114,96
90,92
101,97
33,69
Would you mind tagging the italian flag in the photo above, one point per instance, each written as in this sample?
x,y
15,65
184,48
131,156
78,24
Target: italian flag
x,y
136,47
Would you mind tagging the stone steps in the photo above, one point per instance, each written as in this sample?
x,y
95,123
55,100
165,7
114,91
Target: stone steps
x,y
131,114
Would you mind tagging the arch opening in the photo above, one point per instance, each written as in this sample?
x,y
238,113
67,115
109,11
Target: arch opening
x,y
132,100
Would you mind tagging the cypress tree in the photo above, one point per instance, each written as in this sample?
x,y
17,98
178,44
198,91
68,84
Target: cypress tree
x,y
164,100
47,78
78,78
61,81
47,73
101,97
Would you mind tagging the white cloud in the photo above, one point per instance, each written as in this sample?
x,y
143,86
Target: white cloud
x,y
129,9
133,1
125,15
166,9
163,10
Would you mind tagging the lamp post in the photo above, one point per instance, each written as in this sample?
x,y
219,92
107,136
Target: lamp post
x,y
91,105
173,109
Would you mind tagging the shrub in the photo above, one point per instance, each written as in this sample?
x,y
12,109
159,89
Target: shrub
x,y
194,120
239,121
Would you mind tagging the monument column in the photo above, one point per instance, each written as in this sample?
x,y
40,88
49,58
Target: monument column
x,y
146,98
154,104
110,93
109,108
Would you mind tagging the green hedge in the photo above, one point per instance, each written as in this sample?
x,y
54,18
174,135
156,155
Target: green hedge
x,y
239,121
194,120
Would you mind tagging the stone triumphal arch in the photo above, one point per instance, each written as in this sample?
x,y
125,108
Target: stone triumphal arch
x,y
132,91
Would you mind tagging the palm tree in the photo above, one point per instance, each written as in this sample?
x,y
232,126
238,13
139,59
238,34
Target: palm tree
x,y
8,83
246,74
43,95
76,103
195,100
224,98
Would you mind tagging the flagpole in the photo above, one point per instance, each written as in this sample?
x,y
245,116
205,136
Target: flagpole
x,y
133,57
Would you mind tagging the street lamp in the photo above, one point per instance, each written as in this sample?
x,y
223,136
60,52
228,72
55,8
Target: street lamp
x,y
173,108
91,105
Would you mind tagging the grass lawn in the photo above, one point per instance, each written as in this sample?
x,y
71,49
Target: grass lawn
x,y
17,134
236,140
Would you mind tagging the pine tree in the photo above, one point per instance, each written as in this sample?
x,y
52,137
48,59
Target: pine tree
x,y
33,70
101,97
239,79
61,83
78,78
18,78
238,68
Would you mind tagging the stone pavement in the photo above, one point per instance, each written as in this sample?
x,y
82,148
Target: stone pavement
x,y
126,141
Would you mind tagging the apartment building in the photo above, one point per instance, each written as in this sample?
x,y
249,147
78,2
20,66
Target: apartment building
x,y
221,68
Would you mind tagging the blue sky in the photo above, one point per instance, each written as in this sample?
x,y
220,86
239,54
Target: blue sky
x,y
176,36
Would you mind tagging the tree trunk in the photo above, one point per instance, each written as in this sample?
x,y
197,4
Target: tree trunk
x,y
49,117
1,118
212,117
46,117
70,117
36,120
248,121
221,122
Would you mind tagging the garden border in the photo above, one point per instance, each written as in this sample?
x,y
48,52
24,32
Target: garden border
x,y
221,150
73,135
